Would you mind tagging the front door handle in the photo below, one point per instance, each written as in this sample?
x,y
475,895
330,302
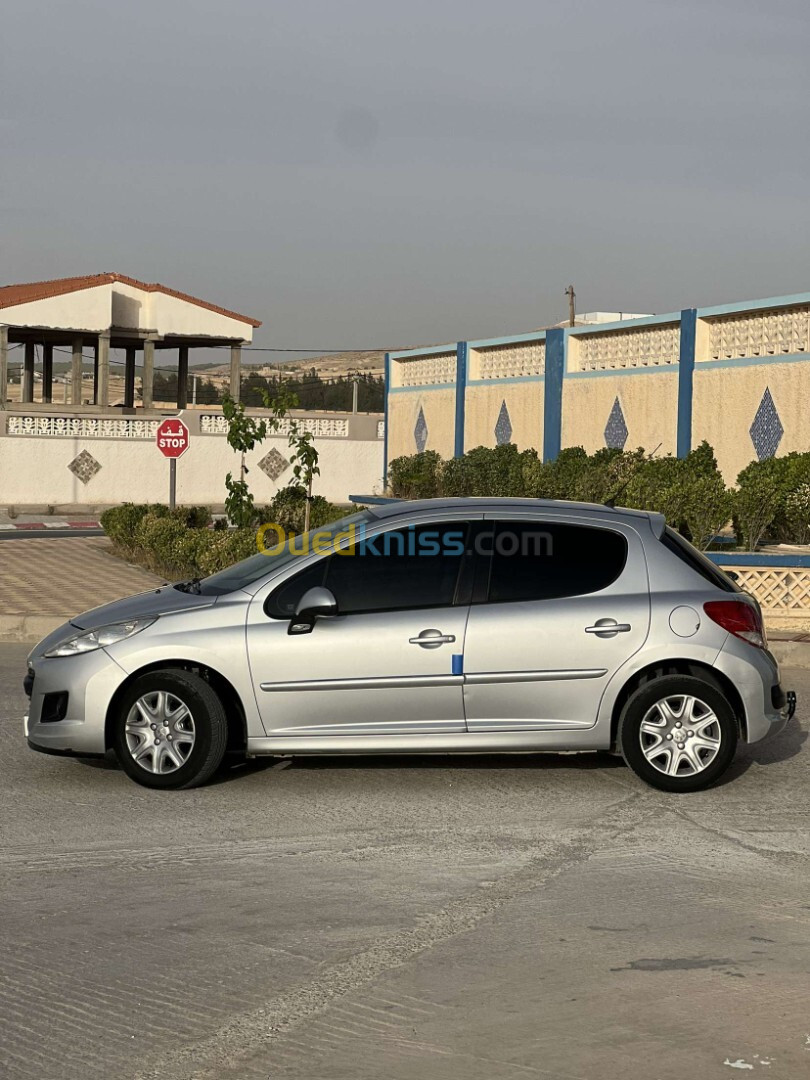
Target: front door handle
x,y
606,628
432,639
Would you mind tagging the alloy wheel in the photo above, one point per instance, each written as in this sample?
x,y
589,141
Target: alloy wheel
x,y
160,732
680,735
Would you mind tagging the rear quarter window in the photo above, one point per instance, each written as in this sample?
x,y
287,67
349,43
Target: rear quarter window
x,y
534,560
697,561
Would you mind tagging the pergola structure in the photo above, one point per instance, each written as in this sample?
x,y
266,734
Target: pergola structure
x,y
104,311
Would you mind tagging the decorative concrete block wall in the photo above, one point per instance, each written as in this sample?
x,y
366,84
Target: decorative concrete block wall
x,y
504,392
737,375
47,458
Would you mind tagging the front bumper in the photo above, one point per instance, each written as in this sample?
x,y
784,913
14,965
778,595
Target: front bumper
x,y
89,680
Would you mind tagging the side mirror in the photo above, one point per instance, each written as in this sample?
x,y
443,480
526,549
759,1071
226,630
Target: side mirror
x,y
315,603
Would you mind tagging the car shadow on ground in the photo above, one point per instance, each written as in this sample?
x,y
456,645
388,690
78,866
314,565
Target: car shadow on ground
x,y
769,752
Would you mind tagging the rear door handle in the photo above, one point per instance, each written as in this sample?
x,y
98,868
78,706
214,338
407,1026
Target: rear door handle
x,y
432,639
608,628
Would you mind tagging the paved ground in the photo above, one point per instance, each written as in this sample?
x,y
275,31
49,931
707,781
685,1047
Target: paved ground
x,y
428,918
46,580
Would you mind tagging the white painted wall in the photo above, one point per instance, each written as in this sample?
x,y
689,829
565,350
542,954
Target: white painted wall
x,y
122,305
173,316
87,309
33,470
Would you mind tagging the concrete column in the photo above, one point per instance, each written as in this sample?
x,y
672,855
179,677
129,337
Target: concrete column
x,y
95,374
28,373
462,352
236,372
3,365
686,371
76,373
182,377
556,342
386,392
148,373
47,373
103,371
129,378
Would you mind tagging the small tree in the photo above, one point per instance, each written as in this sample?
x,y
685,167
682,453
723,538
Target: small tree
x,y
246,432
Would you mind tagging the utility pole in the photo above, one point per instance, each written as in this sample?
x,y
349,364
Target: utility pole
x,y
355,388
572,310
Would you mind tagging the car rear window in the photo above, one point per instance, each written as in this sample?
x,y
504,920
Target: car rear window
x,y
697,561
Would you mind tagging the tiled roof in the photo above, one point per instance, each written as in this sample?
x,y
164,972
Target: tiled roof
x,y
12,295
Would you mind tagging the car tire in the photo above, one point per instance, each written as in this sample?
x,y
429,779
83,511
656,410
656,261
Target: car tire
x,y
170,730
678,733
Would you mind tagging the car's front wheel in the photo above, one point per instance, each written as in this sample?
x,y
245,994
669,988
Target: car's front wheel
x,y
678,732
170,730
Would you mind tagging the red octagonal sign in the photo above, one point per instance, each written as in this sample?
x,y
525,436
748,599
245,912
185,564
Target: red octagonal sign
x,y
172,438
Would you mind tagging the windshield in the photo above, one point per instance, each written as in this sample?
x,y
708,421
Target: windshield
x,y
250,570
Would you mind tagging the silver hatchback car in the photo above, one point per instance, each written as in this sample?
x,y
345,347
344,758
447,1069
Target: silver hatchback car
x,y
456,626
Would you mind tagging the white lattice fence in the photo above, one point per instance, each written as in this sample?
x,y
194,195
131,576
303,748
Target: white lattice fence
x,y
512,361
435,369
760,333
651,346
87,427
319,426
783,593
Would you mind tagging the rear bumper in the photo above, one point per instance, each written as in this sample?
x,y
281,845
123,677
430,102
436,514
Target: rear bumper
x,y
755,674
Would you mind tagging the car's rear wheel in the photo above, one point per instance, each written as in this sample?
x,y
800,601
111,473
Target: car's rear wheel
x,y
678,733
170,730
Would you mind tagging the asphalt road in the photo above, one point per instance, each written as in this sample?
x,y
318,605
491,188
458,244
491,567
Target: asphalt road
x,y
421,918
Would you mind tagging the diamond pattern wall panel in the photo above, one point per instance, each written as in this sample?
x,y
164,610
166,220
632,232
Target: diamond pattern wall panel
x,y
420,432
84,466
766,431
273,464
616,428
503,426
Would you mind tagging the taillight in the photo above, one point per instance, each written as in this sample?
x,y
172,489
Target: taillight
x,y
740,619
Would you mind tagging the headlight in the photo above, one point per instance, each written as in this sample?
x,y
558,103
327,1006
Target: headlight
x,y
90,640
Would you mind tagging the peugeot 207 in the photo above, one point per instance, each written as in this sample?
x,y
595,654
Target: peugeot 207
x,y
459,626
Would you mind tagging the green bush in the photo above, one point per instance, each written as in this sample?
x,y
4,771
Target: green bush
x,y
690,492
484,470
415,477
288,508
179,544
121,522
772,501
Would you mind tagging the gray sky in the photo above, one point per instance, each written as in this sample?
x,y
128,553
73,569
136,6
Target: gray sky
x,y
362,173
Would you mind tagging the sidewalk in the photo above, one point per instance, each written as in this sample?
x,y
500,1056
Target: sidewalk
x,y
44,582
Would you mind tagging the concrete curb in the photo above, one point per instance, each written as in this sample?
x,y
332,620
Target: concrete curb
x,y
791,653
52,524
29,628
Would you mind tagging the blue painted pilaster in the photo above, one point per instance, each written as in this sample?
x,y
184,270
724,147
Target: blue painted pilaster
x,y
462,351
386,394
552,399
686,371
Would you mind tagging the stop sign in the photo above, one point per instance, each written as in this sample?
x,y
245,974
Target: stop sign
x,y
172,438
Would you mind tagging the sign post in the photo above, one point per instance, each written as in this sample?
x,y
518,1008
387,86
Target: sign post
x,y
172,440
